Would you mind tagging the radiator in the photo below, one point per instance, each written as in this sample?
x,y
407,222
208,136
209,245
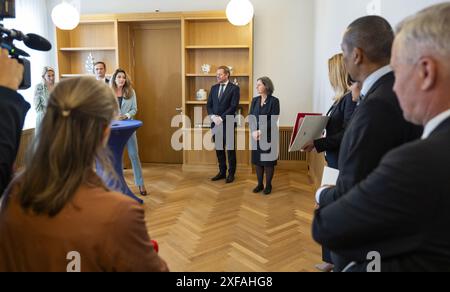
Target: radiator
x,y
285,138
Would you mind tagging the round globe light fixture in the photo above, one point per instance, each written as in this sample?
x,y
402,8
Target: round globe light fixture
x,y
240,12
65,16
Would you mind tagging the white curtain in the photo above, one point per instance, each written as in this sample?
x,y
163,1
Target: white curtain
x,y
32,17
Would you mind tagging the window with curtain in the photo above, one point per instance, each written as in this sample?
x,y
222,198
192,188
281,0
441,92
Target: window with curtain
x,y
32,17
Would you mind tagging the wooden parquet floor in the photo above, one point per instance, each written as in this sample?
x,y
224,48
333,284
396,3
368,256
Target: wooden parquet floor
x,y
204,226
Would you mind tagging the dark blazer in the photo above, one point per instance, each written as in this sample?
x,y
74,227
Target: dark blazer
x,y
401,210
340,116
376,128
271,108
228,103
14,109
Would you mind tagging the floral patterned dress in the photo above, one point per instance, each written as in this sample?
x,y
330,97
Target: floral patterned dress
x,y
41,95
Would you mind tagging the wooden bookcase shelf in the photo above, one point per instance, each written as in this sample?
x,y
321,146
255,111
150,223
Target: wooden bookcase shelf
x,y
214,75
216,47
98,38
87,49
206,38
216,42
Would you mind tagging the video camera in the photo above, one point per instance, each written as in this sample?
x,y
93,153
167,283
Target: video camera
x,y
7,37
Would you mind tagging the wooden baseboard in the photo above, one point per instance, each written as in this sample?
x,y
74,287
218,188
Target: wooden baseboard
x,y
292,165
316,163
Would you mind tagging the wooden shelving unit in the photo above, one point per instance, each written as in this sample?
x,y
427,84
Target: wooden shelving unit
x,y
206,38
214,41
98,38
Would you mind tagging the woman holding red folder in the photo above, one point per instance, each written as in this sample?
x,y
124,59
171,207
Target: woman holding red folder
x,y
340,112
340,115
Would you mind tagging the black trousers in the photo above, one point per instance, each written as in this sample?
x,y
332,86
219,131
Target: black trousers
x,y
225,149
221,157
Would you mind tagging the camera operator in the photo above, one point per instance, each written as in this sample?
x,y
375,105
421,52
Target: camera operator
x,y
14,109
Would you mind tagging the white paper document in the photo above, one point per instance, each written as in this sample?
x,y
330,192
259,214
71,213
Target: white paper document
x,y
330,176
312,128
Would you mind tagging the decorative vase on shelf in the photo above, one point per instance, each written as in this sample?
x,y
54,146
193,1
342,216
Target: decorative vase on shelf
x,y
231,69
201,95
206,68
89,65
239,117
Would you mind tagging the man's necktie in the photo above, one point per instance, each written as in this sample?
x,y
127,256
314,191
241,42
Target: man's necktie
x,y
222,86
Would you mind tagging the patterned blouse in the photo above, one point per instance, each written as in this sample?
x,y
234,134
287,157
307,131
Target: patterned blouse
x,y
41,96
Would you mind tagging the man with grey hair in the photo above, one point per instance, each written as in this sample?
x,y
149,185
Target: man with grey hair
x,y
401,211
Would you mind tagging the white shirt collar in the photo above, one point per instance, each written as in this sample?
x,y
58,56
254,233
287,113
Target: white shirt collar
x,y
226,83
373,78
434,123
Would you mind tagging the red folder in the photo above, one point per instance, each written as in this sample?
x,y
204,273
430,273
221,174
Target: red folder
x,y
298,123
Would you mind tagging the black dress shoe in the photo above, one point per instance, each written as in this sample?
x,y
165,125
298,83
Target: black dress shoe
x,y
268,190
219,177
258,189
230,179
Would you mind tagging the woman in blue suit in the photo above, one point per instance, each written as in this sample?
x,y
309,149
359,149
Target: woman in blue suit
x,y
126,97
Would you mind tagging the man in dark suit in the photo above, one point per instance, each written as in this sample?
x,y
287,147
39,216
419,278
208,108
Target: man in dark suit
x,y
401,211
14,109
100,72
377,125
222,103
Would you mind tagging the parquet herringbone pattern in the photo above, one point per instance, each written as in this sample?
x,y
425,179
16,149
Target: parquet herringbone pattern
x,y
206,226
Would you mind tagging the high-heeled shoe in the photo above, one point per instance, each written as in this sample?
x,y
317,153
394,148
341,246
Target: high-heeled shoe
x,y
258,189
268,190
142,191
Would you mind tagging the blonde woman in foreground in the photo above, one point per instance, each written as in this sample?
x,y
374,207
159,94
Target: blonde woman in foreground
x,y
58,208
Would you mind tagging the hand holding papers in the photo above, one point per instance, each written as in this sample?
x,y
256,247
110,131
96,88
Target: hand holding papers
x,y
308,127
330,176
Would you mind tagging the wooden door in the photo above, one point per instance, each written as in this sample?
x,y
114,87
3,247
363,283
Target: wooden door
x,y
157,80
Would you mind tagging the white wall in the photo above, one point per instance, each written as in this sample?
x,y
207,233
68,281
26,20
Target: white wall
x,y
283,41
27,23
332,18
293,39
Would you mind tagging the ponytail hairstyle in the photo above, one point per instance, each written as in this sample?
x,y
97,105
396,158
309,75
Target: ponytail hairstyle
x,y
71,141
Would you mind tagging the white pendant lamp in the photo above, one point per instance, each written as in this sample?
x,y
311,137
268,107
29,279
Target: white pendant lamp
x,y
240,12
65,16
